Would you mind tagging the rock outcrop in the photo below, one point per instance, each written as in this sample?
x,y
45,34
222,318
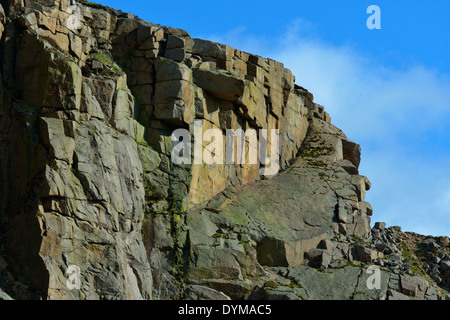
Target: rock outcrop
x,y
89,100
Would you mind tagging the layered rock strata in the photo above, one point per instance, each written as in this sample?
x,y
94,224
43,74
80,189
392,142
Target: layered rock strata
x,y
89,100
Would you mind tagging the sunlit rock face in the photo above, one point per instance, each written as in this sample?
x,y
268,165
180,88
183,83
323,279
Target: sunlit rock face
x,y
95,204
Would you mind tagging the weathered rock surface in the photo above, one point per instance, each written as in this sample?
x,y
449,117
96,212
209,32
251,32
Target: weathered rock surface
x,y
89,99
4,296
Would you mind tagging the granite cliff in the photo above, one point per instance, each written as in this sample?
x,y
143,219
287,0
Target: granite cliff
x,y
89,99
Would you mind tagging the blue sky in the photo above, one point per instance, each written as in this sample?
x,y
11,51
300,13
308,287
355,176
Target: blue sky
x,y
388,89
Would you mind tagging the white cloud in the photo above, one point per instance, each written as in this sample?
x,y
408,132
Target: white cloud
x,y
400,118
408,191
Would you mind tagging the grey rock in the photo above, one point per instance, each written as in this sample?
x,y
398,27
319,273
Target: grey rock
x,y
177,54
4,296
436,260
167,70
380,225
280,294
196,292
413,286
326,244
395,295
365,254
445,265
221,85
433,247
329,285
367,289
351,152
87,153
175,42
381,246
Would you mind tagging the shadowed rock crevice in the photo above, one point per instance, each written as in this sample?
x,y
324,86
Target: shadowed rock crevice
x,y
23,160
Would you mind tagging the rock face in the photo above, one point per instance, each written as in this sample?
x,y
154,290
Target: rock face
x,y
89,100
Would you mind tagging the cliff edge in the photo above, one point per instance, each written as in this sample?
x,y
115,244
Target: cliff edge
x,y
94,206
